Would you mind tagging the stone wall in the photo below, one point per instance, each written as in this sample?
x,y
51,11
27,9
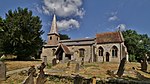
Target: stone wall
x,y
87,53
49,53
108,48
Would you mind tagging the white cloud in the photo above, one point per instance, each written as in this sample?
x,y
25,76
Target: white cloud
x,y
67,24
64,8
113,18
37,8
121,27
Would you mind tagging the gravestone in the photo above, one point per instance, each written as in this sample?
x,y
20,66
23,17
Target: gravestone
x,y
82,61
44,59
78,79
2,71
41,79
94,80
54,62
31,74
68,64
77,67
144,64
121,67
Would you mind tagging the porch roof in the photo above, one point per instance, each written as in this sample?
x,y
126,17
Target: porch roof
x,y
64,48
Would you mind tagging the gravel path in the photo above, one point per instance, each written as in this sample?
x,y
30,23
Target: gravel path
x,y
15,71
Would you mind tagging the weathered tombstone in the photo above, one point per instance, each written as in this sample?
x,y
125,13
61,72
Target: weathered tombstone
x,y
54,62
68,64
144,64
94,80
31,73
44,59
78,79
2,71
41,77
77,67
121,67
82,61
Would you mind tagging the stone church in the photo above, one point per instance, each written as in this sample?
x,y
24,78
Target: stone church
x,y
105,47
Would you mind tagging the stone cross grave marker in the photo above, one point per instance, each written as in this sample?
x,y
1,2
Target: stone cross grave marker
x,y
31,74
121,67
41,77
144,63
2,71
77,67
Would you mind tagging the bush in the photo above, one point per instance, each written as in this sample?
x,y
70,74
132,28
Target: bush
x,y
132,58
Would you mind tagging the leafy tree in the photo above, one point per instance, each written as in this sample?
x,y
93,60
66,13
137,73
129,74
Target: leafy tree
x,y
22,33
137,44
1,35
64,36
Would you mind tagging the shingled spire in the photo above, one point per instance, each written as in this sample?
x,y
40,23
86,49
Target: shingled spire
x,y
53,36
54,29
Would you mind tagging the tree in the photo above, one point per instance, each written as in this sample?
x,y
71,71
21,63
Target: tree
x,y
64,36
22,33
1,35
137,44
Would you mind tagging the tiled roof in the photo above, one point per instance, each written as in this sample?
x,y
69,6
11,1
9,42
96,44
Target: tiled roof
x,y
85,41
64,47
109,37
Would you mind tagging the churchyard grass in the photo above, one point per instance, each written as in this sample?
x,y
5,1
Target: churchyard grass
x,y
13,65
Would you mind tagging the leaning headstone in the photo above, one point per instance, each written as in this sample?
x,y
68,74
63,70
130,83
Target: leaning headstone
x,y
78,79
77,67
44,59
29,80
54,62
121,67
32,71
2,71
144,64
31,74
41,77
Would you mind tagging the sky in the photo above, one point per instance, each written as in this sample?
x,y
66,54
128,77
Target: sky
x,y
86,18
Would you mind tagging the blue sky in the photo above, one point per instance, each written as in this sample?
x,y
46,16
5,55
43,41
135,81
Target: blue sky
x,y
85,18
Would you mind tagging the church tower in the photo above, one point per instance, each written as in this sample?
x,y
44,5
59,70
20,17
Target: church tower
x,y
53,36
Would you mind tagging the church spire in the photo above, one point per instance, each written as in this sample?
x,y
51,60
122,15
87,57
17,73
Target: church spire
x,y
53,36
54,29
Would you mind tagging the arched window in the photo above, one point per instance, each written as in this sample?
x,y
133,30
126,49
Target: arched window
x,y
100,51
81,52
53,51
114,51
50,38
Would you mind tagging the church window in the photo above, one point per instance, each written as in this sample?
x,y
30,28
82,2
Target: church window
x,y
53,51
50,38
114,51
100,51
81,52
